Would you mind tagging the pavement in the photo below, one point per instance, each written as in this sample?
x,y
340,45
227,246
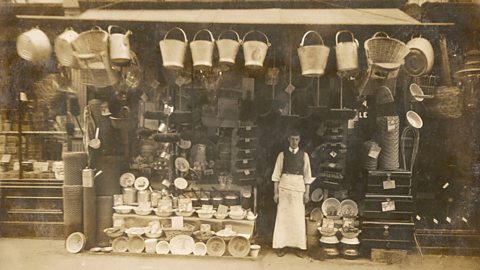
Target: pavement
x,y
38,254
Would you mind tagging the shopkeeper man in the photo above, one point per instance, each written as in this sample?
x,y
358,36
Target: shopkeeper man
x,y
292,177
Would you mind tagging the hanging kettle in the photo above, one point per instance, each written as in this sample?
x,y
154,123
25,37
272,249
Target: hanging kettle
x,y
119,46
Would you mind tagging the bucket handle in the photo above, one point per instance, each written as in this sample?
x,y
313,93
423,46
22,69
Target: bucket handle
x,y
229,30
311,32
416,35
69,29
345,31
110,27
380,33
204,30
176,28
260,32
96,27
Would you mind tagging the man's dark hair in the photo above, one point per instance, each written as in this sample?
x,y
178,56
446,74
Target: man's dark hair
x,y
293,133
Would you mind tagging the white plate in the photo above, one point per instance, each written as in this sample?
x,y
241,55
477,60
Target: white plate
x,y
348,208
182,245
141,183
200,249
127,179
162,247
331,207
182,164
180,183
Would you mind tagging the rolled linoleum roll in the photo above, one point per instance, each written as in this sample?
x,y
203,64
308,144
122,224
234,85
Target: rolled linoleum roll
x,y
74,163
72,209
89,216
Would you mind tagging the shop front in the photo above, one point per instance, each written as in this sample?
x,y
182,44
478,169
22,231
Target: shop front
x,y
173,132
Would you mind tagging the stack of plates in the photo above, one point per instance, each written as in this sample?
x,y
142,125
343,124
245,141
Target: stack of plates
x,y
389,142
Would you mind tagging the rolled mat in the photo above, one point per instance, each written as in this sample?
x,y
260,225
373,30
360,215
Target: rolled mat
x,y
89,216
74,163
112,167
72,209
104,218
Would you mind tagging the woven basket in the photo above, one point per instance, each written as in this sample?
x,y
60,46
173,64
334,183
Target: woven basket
x,y
74,162
447,103
389,141
170,232
72,208
91,41
382,49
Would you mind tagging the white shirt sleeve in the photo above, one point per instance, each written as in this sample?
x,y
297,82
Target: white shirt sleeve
x,y
307,171
277,172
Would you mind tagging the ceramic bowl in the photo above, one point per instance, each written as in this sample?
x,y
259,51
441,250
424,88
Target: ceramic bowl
x,y
135,231
162,247
414,119
200,249
123,209
205,214
141,211
221,216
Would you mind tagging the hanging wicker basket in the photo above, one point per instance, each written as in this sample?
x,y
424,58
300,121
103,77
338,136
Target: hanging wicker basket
x,y
384,50
447,103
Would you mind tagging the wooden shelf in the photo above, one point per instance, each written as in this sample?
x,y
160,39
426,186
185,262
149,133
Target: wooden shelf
x,y
33,133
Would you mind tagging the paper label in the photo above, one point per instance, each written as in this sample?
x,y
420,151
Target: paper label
x,y
118,222
247,151
245,161
289,89
333,154
449,220
332,165
464,220
391,125
248,128
446,185
246,172
389,184
374,151
435,221
222,209
388,206
6,158
418,217
247,140
177,222
16,166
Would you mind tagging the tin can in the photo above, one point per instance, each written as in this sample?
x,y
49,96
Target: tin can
x,y
155,197
129,195
117,199
143,196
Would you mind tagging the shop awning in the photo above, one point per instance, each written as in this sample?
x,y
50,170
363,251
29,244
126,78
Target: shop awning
x,y
249,16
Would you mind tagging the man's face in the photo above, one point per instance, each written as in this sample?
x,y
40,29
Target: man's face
x,y
294,141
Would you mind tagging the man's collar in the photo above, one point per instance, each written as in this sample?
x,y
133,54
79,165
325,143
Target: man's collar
x,y
294,151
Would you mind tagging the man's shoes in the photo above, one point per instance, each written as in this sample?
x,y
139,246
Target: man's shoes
x,y
300,253
281,252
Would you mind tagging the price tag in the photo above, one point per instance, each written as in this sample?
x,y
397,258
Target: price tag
x,y
464,220
247,151
333,154
248,128
207,207
245,161
389,184
208,172
6,158
222,209
435,221
332,165
289,89
391,123
388,206
247,140
177,222
449,220
446,185
374,151
418,217
246,172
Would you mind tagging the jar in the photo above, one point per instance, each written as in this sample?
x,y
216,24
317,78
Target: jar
x,y
143,196
155,197
246,199
129,195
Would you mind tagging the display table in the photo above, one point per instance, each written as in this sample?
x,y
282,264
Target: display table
x,y
245,227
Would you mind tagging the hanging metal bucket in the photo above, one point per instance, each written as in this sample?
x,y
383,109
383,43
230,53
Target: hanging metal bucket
x,y
346,53
419,60
173,51
202,51
228,48
34,45
313,58
255,51
119,46
63,48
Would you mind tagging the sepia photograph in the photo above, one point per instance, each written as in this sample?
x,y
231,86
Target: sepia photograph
x,y
240,134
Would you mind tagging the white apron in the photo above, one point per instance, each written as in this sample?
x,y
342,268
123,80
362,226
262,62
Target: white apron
x,y
290,222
